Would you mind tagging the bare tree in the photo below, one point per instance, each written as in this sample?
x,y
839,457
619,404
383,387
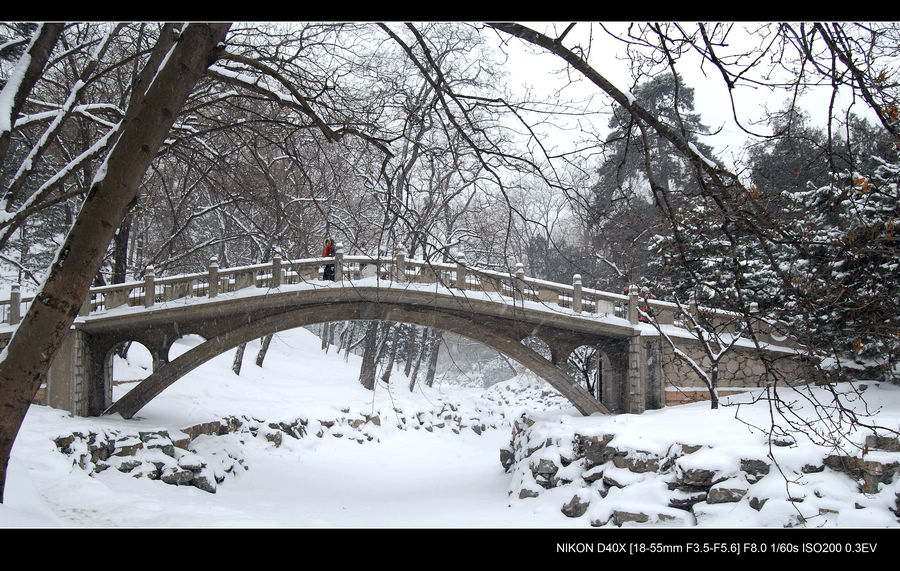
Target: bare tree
x,y
143,129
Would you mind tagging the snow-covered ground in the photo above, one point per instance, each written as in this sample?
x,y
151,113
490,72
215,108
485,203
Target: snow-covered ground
x,y
438,478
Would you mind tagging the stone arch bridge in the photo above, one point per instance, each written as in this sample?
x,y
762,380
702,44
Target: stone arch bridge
x,y
227,307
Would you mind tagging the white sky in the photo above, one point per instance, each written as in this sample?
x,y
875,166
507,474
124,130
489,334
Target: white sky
x,y
541,72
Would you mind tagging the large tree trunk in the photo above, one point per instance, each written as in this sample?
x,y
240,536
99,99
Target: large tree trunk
x,y
147,122
386,377
263,349
415,371
349,343
323,336
238,361
367,368
433,359
410,350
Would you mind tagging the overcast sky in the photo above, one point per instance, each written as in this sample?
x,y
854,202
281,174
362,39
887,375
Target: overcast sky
x,y
541,72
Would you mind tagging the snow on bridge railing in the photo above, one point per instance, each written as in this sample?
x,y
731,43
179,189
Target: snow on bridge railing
x,y
455,275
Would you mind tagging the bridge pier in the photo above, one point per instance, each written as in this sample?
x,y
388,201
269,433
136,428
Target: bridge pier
x,y
645,390
78,380
80,377
631,375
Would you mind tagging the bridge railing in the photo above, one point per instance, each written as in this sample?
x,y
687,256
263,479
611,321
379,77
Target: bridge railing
x,y
458,275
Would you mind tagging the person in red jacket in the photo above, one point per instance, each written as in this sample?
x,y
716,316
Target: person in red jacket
x,y
329,253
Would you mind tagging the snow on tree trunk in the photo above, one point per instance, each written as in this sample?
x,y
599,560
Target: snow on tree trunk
x,y
23,77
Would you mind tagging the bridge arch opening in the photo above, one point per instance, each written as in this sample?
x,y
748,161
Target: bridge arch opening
x,y
184,344
584,367
539,346
496,333
127,363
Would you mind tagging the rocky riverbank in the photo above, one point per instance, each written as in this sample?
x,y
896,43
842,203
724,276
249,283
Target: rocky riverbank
x,y
595,478
185,458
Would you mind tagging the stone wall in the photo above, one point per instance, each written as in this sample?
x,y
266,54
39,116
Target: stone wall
x,y
740,367
185,458
605,483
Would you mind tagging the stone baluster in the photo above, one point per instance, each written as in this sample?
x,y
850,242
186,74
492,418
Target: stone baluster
x,y
339,262
400,265
633,305
519,283
15,299
576,293
461,271
213,279
149,287
276,271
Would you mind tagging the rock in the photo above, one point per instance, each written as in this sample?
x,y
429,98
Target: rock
x,y
99,450
545,481
757,503
64,443
784,441
203,482
870,471
575,507
592,475
212,428
182,441
621,517
721,494
685,499
666,518
177,477
886,443
611,482
232,424
291,430
755,469
638,462
697,478
594,449
158,440
190,461
690,448
545,467
274,438
128,465
128,447
507,459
